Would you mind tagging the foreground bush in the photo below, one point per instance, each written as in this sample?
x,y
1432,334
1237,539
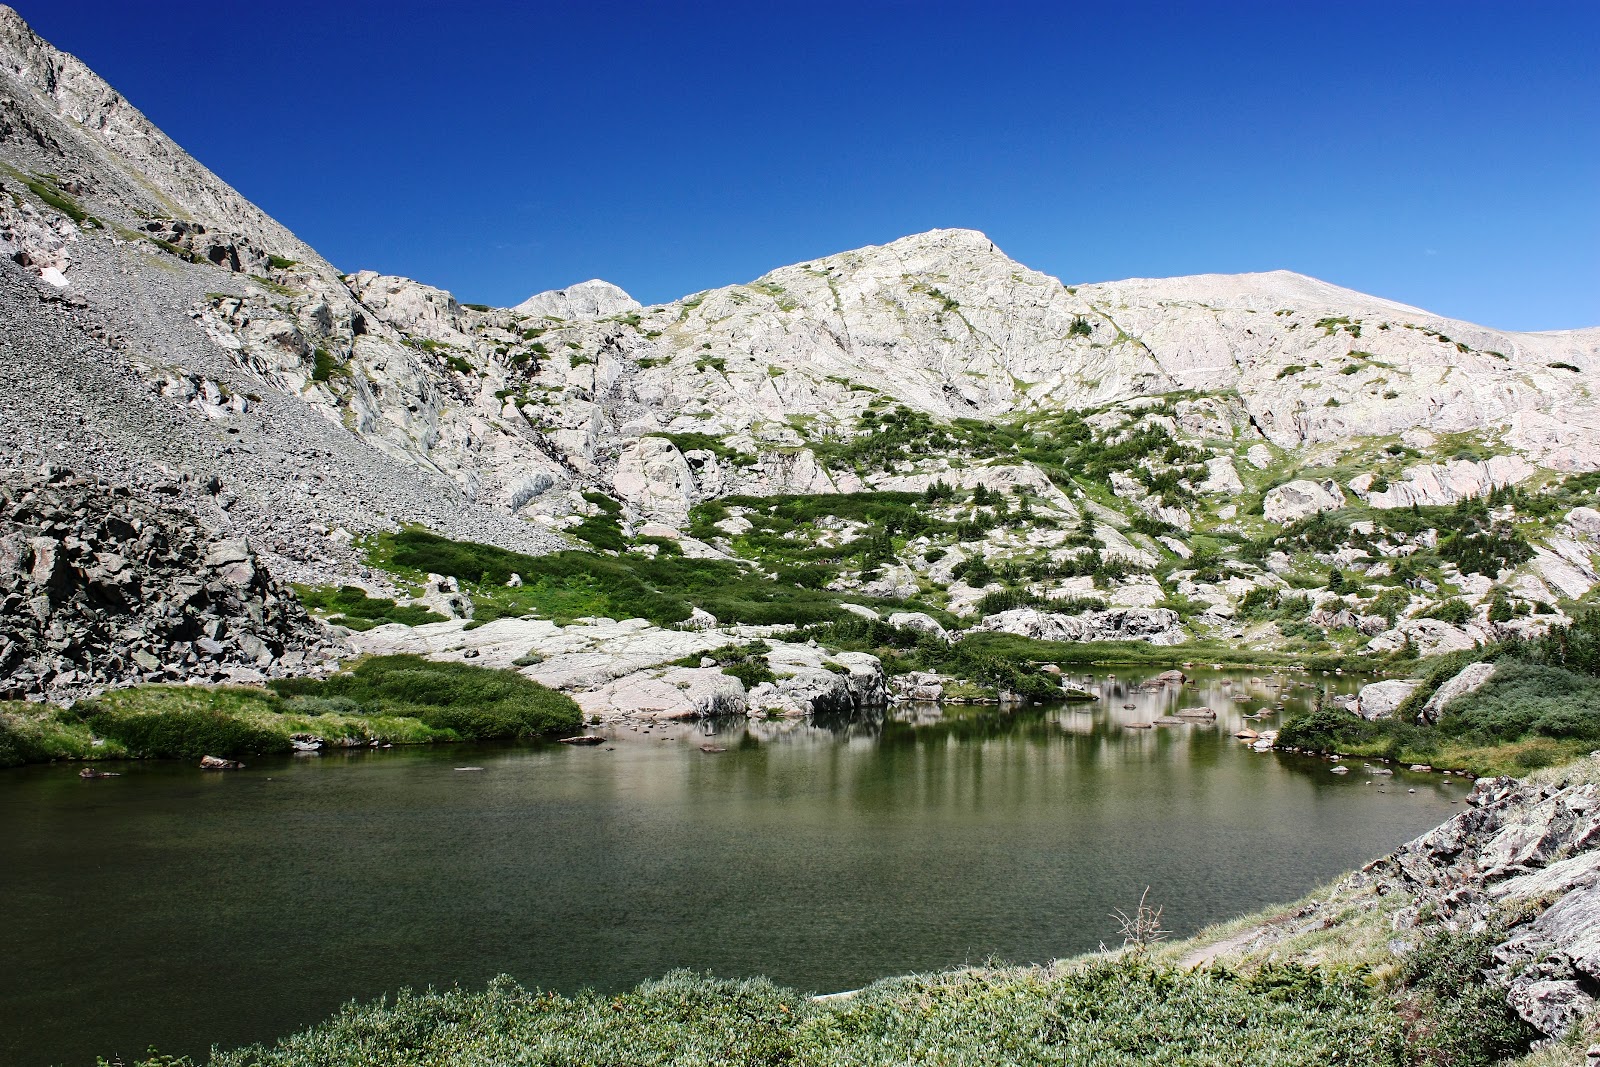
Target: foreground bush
x,y
1115,1013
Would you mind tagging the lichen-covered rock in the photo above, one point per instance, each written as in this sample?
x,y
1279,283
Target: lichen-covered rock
x,y
1378,700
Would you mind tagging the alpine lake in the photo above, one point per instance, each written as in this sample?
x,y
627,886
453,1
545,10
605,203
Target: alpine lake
x,y
179,908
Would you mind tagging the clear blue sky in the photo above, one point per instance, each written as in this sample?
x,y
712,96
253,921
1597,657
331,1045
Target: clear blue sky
x,y
1442,154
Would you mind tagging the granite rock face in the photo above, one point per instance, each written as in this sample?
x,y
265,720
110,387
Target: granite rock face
x,y
1157,626
1301,499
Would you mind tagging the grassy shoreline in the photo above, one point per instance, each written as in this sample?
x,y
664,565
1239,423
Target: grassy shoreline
x,y
400,700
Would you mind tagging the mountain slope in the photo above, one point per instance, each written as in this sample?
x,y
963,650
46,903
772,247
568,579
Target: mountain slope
x,y
1139,443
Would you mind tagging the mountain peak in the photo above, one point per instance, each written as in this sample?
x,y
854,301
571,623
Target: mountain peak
x,y
592,299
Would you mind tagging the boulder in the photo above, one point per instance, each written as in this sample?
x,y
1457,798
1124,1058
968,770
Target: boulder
x,y
654,476
922,623
1301,499
1221,477
1378,700
1471,678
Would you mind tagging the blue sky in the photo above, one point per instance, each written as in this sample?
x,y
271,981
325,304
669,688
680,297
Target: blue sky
x,y
1442,154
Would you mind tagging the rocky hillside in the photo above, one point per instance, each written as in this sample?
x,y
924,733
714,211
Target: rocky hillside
x,y
103,585
1270,460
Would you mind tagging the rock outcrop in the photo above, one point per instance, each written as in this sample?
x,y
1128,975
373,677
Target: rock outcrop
x,y
630,669
1473,676
1156,626
1523,853
593,299
1444,483
1301,499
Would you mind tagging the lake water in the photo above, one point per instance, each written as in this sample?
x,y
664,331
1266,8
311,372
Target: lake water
x,y
180,908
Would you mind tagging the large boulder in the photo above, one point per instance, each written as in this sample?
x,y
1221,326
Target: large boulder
x,y
1301,499
678,693
654,476
921,623
1380,699
1471,678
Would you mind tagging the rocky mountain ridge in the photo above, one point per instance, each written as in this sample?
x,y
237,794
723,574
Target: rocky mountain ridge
x,y
1255,454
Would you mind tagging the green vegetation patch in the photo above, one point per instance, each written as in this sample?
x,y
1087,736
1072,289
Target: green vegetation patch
x,y
392,699
349,605
39,733
689,442
45,189
575,584
1541,708
1113,1013
472,703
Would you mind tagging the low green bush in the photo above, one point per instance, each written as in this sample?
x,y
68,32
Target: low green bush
x,y
1455,1016
475,703
351,606
1121,1012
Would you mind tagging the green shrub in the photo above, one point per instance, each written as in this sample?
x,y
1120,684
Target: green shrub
x,y
323,366
605,529
1456,1016
750,672
162,723
476,703
351,606
1455,611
